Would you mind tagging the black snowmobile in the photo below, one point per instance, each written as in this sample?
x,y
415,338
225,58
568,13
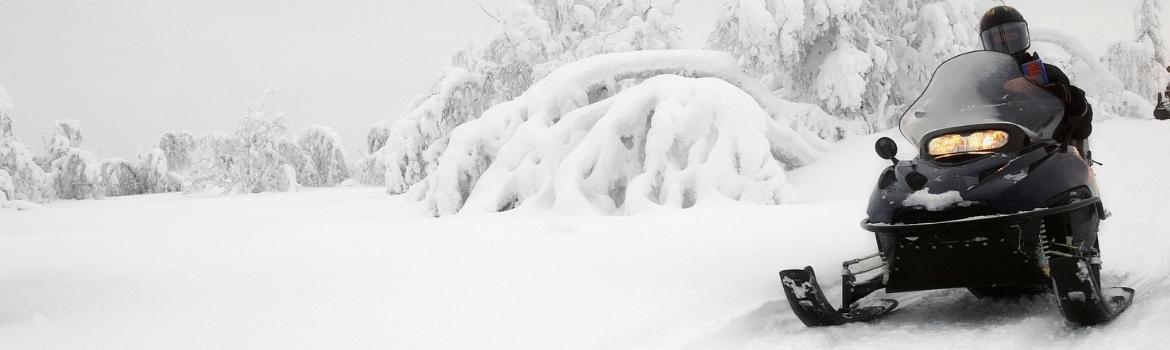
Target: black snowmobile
x,y
991,203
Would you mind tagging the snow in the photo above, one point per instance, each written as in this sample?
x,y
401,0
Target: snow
x,y
354,268
933,202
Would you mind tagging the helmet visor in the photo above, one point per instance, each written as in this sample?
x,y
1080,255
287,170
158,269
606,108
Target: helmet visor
x,y
1008,38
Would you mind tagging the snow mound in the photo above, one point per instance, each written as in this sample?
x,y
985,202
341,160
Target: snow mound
x,y
604,135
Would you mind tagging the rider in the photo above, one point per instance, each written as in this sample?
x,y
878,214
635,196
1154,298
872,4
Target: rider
x,y
1004,29
1162,109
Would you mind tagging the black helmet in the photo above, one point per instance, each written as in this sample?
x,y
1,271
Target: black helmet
x,y
1004,29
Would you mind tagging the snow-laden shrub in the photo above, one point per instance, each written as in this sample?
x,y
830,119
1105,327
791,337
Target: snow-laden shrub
x,y
178,148
262,156
154,173
29,181
370,169
540,128
67,135
537,37
377,137
77,175
327,156
861,61
119,178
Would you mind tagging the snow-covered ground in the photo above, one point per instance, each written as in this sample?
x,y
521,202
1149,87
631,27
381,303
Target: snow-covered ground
x,y
354,268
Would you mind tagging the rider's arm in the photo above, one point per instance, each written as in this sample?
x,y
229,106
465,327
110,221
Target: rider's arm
x,y
1077,110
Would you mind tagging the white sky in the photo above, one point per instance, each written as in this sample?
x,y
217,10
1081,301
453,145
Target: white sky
x,y
133,69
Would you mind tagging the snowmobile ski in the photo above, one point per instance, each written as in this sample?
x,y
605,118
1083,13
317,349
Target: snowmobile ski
x,y
1082,301
814,310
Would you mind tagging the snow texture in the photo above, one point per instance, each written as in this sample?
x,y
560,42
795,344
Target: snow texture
x,y
585,106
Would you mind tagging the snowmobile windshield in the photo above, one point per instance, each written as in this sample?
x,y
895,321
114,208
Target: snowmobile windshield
x,y
981,88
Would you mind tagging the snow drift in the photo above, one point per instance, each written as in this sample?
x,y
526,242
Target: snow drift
x,y
604,135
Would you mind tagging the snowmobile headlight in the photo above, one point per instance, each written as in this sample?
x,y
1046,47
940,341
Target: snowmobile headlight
x,y
979,141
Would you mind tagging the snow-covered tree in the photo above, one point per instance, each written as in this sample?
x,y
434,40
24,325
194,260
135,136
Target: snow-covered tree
x,y
1141,64
370,169
858,60
376,138
518,152
77,175
74,173
119,178
178,148
67,135
149,174
1148,27
28,180
327,156
262,156
537,37
155,174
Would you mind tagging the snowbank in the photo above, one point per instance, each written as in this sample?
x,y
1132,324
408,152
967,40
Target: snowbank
x,y
559,113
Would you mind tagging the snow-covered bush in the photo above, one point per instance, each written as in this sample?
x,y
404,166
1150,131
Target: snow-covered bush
x,y
262,156
516,148
28,180
376,138
370,169
326,155
119,178
67,135
858,60
178,148
537,37
149,174
154,173
77,175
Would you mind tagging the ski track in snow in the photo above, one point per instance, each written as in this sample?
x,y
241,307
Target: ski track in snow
x,y
353,268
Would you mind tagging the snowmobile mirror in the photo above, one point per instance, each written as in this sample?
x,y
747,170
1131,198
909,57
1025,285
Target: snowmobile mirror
x,y
887,149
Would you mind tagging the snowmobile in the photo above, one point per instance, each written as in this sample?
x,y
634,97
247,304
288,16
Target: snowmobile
x,y
990,203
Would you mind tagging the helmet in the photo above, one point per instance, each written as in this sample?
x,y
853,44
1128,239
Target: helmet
x,y
1004,29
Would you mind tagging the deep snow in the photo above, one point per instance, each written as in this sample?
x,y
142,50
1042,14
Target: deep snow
x,y
353,268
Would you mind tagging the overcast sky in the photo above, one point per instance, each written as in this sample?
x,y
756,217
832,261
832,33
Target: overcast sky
x,y
133,69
